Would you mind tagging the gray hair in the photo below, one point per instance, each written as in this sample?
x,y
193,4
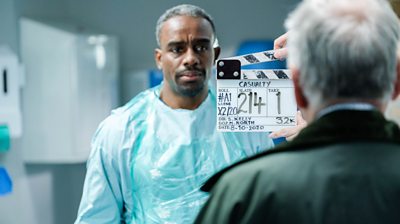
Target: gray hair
x,y
344,49
183,10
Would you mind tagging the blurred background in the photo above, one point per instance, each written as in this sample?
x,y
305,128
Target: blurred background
x,y
65,64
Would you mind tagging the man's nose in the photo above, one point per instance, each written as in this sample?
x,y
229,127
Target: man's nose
x,y
191,58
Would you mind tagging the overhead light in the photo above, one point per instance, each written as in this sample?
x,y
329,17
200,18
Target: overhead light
x,y
99,50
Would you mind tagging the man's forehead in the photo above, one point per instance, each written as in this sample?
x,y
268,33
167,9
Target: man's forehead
x,y
183,28
186,24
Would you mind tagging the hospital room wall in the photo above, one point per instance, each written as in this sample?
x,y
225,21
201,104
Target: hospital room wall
x,y
41,193
20,199
50,193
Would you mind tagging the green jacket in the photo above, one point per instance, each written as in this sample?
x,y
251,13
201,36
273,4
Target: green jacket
x,y
342,168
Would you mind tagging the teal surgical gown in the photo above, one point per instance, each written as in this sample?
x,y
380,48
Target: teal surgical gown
x,y
148,161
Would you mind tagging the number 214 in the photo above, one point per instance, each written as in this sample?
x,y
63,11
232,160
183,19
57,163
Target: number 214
x,y
251,104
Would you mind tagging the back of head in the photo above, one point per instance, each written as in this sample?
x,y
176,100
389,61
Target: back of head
x,y
183,10
344,49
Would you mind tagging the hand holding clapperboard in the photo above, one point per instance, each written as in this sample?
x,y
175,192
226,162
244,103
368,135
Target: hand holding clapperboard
x,y
253,100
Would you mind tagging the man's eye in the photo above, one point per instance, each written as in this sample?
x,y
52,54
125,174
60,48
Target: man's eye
x,y
200,48
176,50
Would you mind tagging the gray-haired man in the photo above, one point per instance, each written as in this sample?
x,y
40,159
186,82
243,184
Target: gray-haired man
x,y
343,167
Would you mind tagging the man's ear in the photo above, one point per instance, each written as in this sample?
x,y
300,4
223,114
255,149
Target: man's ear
x,y
301,100
217,51
396,91
157,58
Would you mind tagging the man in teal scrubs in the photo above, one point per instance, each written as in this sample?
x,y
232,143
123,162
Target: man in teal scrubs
x,y
150,157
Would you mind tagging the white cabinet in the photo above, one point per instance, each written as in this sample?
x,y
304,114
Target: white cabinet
x,y
71,86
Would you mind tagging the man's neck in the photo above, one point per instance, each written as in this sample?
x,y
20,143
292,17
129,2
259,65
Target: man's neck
x,y
313,114
358,106
176,101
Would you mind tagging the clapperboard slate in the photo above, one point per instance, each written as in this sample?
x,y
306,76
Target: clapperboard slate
x,y
253,100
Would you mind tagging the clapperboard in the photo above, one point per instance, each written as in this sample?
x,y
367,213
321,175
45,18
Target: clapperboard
x,y
253,100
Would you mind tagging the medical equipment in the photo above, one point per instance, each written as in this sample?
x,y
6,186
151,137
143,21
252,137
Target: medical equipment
x,y
10,83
